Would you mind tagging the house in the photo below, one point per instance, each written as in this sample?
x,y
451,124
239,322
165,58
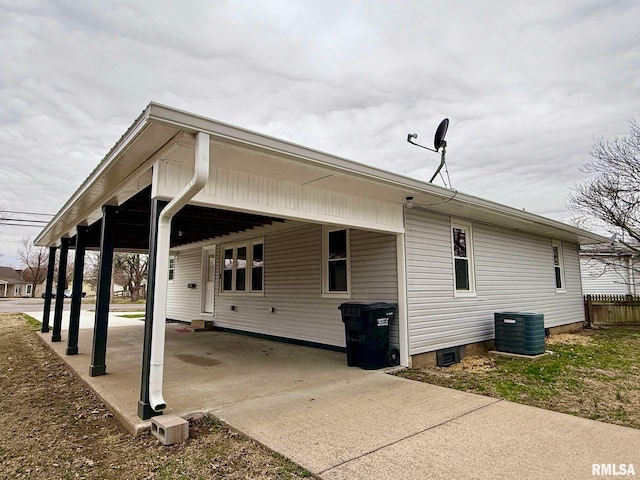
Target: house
x,y
266,237
609,269
12,285
35,285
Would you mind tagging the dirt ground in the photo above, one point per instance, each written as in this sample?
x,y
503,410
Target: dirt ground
x,y
55,428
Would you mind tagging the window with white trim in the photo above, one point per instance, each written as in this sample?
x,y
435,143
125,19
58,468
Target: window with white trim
x,y
463,273
16,290
243,267
28,289
558,265
172,267
336,266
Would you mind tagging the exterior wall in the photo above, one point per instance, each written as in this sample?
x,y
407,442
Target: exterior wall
x,y
599,278
292,284
513,272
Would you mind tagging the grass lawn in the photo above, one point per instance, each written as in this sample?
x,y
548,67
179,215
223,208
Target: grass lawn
x,y
133,315
593,374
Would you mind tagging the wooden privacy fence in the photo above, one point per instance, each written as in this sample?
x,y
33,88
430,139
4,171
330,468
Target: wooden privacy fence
x,y
611,310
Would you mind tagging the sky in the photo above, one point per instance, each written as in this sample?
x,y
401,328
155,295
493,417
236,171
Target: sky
x,y
527,86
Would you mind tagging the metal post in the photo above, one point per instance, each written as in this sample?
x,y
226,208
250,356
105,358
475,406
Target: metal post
x,y
144,408
76,290
48,289
62,282
99,350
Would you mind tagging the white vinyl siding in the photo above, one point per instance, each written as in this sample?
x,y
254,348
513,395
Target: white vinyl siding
x,y
606,275
292,285
513,272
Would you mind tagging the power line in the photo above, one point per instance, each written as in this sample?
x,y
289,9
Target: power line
x,y
27,213
25,220
19,225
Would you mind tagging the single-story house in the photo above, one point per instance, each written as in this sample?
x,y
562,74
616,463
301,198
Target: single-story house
x,y
266,237
12,284
610,269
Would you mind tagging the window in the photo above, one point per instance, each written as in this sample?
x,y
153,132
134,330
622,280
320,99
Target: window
x,y
28,289
172,267
16,290
462,258
257,267
558,265
243,267
336,264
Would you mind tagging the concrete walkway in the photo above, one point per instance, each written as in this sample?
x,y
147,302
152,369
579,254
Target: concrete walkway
x,y
347,423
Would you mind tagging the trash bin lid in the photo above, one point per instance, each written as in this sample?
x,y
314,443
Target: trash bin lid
x,y
365,307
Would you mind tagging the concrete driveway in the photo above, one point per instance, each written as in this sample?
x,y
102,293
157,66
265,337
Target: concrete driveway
x,y
347,423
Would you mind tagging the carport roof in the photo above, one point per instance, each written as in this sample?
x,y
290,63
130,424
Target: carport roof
x,y
124,173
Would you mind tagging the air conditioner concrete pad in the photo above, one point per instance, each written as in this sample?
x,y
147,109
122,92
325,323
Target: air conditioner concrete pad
x,y
518,355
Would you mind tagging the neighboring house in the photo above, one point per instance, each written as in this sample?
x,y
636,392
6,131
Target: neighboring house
x,y
38,286
611,269
270,238
12,284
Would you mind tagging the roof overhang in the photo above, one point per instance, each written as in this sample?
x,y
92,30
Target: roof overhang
x,y
126,170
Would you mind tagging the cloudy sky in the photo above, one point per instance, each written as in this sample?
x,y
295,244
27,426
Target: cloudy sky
x,y
527,86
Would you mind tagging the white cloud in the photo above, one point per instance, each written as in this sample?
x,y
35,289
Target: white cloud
x,y
527,86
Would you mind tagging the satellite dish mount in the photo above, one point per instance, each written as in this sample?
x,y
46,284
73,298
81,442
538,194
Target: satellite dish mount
x,y
438,143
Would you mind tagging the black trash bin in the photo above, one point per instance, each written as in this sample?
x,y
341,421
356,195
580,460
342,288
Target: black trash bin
x,y
366,329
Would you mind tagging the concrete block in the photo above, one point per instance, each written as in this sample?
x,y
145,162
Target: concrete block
x,y
199,325
169,429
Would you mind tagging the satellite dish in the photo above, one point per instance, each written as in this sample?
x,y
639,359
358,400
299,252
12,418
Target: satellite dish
x,y
438,143
441,132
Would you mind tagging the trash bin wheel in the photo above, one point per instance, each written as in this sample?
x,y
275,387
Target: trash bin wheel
x,y
393,357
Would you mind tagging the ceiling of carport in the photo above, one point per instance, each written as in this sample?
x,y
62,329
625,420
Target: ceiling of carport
x,y
191,224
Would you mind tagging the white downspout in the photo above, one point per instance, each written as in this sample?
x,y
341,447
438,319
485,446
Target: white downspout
x,y
200,177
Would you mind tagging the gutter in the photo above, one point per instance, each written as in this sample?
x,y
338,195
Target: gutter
x,y
197,183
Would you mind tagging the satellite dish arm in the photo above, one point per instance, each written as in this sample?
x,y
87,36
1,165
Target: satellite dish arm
x,y
444,150
410,138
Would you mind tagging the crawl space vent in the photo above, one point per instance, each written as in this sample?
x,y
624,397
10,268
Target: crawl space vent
x,y
448,356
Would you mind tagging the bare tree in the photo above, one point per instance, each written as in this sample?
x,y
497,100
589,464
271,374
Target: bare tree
x,y
612,194
610,197
130,270
34,262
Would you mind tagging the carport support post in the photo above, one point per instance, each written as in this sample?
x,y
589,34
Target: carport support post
x,y
62,281
145,411
48,289
107,239
76,290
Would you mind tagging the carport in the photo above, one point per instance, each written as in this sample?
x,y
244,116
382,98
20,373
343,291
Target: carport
x,y
177,179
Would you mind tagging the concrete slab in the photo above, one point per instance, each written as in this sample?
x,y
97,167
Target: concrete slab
x,y
347,423
499,440
328,425
87,318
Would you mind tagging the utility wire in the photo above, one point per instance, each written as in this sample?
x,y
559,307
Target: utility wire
x,y
25,220
27,213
